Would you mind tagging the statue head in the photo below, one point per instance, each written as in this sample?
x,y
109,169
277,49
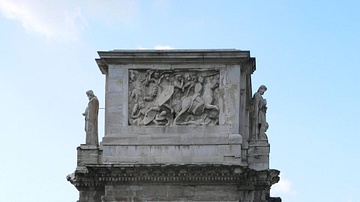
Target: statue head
x,y
200,79
132,75
178,77
154,91
167,76
194,78
141,104
187,77
90,94
262,89
156,75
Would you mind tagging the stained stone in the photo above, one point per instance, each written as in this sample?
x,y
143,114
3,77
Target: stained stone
x,y
180,125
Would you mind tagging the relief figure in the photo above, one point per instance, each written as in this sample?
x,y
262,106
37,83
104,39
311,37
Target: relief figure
x,y
208,95
151,77
164,97
159,104
195,104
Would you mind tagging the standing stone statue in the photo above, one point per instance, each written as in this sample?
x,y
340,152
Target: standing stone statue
x,y
91,119
259,124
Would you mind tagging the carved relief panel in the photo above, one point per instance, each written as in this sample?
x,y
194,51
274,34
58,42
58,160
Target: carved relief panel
x,y
173,97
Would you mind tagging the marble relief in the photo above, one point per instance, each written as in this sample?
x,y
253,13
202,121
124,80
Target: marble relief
x,y
173,97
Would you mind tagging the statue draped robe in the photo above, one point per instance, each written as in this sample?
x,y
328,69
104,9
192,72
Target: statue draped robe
x,y
259,125
91,122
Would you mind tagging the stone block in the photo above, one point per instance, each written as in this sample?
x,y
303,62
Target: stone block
x,y
208,150
112,100
259,150
176,130
258,162
168,139
154,192
142,139
207,159
231,160
231,74
88,154
115,85
235,139
159,139
234,150
173,154
216,193
184,192
258,155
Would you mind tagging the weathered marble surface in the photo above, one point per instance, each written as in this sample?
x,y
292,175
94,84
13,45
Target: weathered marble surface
x,y
148,182
180,125
175,102
172,148
131,103
173,97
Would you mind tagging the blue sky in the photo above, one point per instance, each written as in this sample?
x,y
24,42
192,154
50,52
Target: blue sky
x,y
307,54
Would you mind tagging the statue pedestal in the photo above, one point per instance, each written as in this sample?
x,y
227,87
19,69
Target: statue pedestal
x,y
88,154
258,155
89,191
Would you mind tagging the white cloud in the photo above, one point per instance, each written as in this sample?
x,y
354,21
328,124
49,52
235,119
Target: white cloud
x,y
66,19
282,188
47,18
163,47
157,47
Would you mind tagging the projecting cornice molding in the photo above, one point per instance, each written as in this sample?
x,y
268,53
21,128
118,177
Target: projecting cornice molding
x,y
174,57
244,178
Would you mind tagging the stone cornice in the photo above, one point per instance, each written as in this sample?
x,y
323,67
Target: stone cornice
x,y
221,56
244,178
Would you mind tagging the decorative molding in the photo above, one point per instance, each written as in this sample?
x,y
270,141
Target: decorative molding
x,y
217,56
244,178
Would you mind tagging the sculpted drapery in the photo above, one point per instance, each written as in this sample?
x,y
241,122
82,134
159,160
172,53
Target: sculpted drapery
x,y
91,119
259,124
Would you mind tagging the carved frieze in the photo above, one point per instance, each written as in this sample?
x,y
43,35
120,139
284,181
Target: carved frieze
x,y
176,174
173,97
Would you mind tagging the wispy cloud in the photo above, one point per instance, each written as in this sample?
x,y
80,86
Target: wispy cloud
x,y
283,188
65,19
47,18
